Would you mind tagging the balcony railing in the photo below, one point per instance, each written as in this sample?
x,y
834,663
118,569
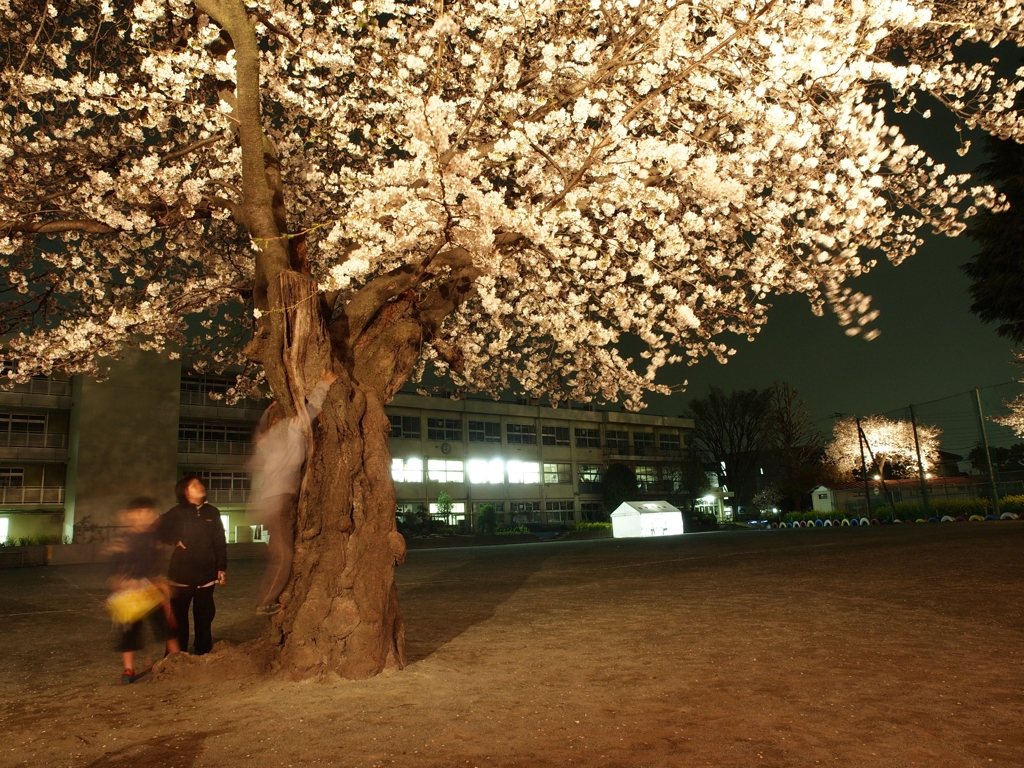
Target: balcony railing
x,y
222,447
42,386
203,398
647,452
33,440
32,494
227,495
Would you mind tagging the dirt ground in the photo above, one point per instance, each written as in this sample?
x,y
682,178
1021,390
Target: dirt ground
x,y
888,646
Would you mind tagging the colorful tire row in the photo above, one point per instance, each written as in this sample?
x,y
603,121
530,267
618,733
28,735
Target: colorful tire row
x,y
855,521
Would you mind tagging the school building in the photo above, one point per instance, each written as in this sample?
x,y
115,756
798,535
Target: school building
x,y
73,451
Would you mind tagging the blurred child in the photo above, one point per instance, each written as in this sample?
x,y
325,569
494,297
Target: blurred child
x,y
140,593
277,465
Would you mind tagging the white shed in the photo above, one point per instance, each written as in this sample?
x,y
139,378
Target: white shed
x,y
646,518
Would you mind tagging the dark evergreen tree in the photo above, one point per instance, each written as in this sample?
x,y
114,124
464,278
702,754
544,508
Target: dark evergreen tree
x,y
618,485
997,271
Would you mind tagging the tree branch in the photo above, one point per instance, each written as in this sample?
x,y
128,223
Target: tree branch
x,y
49,227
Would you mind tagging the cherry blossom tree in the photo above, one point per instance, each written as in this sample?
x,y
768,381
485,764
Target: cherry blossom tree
x,y
502,190
887,442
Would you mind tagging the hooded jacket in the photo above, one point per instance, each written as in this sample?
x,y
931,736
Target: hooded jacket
x,y
205,552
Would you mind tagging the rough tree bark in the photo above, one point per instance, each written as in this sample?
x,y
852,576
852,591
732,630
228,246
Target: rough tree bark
x,y
341,612
341,606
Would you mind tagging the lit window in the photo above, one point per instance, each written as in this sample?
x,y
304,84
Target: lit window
x,y
4,530
590,473
482,471
408,471
445,471
646,477
458,511
523,472
557,473
225,522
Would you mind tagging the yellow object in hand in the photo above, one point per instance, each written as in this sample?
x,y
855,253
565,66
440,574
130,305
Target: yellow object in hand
x,y
126,606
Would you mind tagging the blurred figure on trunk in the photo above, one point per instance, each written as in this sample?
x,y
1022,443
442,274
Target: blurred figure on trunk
x,y
277,473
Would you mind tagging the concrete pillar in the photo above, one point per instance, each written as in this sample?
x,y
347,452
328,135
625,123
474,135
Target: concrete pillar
x,y
123,438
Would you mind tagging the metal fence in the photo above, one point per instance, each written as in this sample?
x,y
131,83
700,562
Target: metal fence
x,y
222,447
32,494
974,447
227,495
188,397
44,386
33,440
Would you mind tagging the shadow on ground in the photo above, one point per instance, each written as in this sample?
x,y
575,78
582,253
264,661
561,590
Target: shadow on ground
x,y
439,608
179,750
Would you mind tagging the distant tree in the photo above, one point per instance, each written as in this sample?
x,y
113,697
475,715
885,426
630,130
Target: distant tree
x,y
997,270
731,430
445,505
694,477
797,445
890,443
487,519
767,500
618,485
1003,459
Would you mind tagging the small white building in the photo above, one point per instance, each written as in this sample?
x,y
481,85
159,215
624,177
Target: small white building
x,y
646,518
823,500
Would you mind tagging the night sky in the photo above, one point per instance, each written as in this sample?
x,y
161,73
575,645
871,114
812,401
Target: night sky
x,y
930,347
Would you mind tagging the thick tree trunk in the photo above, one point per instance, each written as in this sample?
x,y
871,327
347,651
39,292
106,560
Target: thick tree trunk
x,y
341,606
341,612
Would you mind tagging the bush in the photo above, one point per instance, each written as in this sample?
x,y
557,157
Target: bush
x,y
936,508
34,541
593,526
487,519
506,530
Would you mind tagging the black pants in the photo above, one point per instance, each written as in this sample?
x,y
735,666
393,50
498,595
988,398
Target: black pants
x,y
131,638
203,611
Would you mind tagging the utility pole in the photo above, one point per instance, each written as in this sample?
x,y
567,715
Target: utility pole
x,y
988,454
863,467
920,464
881,471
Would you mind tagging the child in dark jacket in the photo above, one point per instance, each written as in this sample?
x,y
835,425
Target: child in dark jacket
x,y
136,578
199,560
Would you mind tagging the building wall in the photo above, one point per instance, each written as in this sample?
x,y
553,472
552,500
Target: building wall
x,y
151,422
123,439
33,457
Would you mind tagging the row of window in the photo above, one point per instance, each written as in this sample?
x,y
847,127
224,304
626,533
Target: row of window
x,y
12,477
477,471
450,430
497,471
212,432
493,471
520,511
22,423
